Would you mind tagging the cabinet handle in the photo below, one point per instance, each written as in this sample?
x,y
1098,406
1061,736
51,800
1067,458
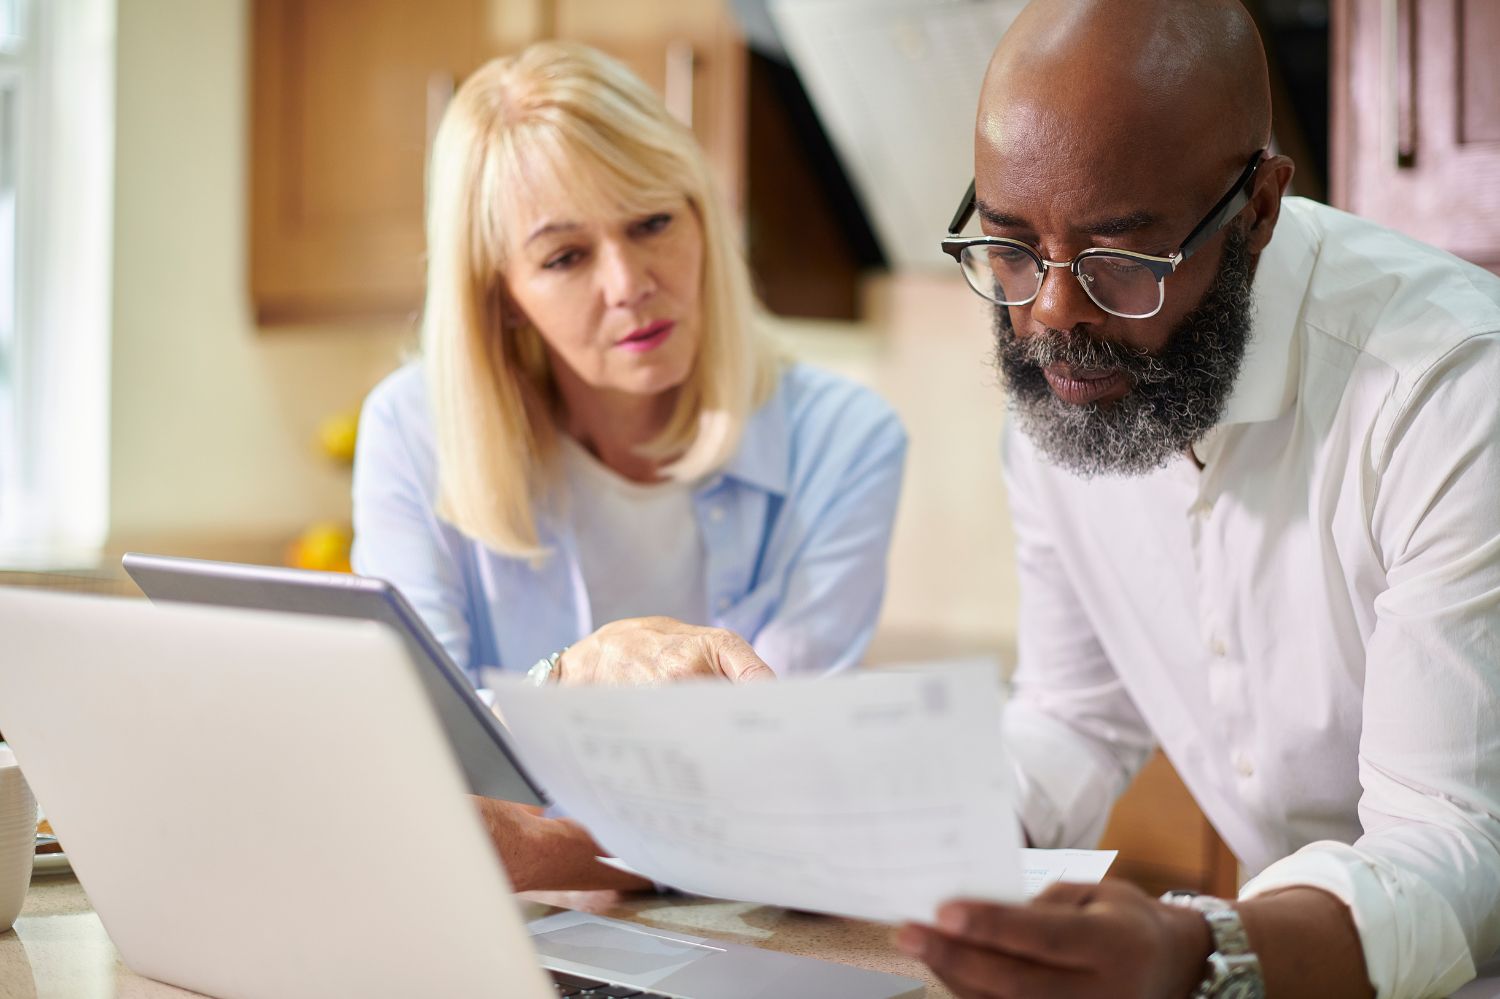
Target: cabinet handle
x,y
439,93
681,62
1403,79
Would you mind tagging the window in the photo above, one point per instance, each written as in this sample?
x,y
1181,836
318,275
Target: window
x,y
56,164
14,72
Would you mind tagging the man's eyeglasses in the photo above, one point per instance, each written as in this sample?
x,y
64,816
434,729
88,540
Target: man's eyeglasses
x,y
1121,282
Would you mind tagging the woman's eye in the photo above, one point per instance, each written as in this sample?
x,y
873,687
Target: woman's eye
x,y
562,261
653,224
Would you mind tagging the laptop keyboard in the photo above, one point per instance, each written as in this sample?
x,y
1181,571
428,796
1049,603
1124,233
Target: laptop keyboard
x,y
588,988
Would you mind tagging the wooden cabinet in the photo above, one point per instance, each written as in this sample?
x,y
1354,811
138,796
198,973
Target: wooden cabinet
x,y
1416,119
346,95
1163,838
690,52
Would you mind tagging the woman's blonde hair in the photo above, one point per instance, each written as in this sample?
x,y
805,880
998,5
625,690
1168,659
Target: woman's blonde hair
x,y
561,117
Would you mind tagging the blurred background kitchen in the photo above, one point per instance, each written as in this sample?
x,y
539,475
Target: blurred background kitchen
x,y
211,248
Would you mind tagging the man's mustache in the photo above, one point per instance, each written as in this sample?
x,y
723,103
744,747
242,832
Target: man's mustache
x,y
1082,352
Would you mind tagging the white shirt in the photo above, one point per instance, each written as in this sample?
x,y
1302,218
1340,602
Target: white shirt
x,y
1310,626
639,545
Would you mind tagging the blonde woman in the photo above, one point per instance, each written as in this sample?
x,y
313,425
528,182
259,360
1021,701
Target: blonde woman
x,y
598,471
595,433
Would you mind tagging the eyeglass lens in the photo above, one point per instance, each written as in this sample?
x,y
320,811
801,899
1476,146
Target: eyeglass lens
x,y
1009,275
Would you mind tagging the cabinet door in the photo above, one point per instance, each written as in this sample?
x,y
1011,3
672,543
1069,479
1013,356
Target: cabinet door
x,y
346,94
691,52
1165,842
1416,119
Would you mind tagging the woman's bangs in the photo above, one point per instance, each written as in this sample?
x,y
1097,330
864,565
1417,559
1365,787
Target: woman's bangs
x,y
590,176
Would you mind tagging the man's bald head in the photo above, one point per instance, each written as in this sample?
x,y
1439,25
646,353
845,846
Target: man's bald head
x,y
1120,123
1147,73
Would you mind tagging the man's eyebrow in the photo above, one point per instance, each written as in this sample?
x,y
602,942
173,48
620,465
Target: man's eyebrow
x,y
551,227
999,219
1122,225
1117,225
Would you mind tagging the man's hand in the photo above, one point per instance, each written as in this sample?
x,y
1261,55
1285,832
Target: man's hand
x,y
548,854
1108,940
646,651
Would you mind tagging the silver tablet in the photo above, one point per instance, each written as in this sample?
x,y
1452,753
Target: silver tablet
x,y
479,740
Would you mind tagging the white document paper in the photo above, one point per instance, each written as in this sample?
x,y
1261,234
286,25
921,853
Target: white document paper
x,y
1043,868
1040,868
877,795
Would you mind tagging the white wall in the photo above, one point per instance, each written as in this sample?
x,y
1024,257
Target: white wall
x,y
213,420
927,348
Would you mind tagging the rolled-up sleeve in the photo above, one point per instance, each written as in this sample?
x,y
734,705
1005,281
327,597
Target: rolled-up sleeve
x,y
1073,733
1423,881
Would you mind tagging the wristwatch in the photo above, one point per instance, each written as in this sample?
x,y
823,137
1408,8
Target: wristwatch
x,y
1233,968
545,670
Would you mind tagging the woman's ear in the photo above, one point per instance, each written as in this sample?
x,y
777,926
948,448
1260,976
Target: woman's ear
x,y
511,316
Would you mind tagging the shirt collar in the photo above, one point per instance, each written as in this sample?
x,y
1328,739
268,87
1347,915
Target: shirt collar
x,y
1266,386
763,457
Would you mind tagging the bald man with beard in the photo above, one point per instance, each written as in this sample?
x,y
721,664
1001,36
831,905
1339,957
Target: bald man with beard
x,y
1254,475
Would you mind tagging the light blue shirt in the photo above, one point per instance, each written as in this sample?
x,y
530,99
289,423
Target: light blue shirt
x,y
795,527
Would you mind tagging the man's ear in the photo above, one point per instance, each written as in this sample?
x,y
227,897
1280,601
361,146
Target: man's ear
x,y
1270,186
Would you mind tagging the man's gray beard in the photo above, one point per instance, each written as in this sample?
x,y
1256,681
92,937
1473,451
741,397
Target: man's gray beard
x,y
1176,395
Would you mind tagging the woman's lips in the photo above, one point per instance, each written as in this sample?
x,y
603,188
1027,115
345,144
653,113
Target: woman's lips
x,y
1079,388
648,337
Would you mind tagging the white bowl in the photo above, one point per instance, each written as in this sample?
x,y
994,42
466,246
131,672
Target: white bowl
x,y
17,839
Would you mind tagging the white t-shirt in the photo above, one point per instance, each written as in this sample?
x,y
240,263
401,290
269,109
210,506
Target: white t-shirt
x,y
639,545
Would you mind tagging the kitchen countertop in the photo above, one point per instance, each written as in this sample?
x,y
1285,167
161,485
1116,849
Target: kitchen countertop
x,y
59,950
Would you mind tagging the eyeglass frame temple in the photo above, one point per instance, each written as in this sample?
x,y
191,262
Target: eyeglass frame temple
x,y
965,211
1230,205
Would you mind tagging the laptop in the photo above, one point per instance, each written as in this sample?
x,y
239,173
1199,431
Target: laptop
x,y
477,737
265,806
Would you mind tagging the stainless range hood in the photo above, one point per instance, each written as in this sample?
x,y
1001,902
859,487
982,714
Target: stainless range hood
x,y
895,84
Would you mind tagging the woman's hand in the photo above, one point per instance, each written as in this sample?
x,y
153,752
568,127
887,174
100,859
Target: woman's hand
x,y
647,651
541,853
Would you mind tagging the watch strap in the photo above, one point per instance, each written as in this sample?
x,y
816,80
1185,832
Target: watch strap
x,y
1233,969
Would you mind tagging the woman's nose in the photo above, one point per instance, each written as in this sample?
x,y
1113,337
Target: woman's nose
x,y
627,278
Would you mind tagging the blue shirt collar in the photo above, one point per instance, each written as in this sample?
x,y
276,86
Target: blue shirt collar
x,y
763,457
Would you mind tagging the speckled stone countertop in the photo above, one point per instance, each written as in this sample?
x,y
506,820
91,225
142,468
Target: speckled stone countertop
x,y
59,950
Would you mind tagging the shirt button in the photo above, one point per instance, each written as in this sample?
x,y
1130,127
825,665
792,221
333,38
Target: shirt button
x,y
1243,766
1218,648
716,513
723,603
